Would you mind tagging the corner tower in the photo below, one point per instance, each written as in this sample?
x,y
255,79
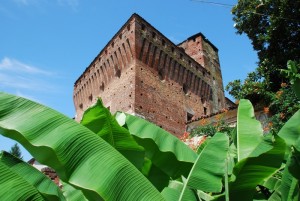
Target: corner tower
x,y
142,72
205,53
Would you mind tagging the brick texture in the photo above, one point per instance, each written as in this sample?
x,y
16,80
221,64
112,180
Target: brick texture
x,y
142,72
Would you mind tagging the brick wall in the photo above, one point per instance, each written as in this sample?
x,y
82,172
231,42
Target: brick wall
x,y
141,71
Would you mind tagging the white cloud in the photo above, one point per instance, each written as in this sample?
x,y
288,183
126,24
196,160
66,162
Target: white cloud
x,y
17,75
17,66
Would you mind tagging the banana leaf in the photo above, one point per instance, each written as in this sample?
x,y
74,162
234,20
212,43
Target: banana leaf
x,y
79,157
289,188
250,140
15,187
253,171
164,150
290,132
209,168
99,120
157,177
172,192
202,145
71,193
41,182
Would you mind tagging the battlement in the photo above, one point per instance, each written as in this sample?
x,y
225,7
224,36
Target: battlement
x,y
140,59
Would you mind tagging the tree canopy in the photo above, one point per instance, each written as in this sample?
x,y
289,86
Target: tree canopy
x,y
16,151
274,29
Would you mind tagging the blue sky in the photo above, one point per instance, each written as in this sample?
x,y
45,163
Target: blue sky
x,y
46,44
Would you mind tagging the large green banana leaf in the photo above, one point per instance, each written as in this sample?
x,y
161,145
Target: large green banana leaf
x,y
250,172
71,193
290,132
164,150
15,187
41,182
250,140
289,188
172,192
80,157
155,175
98,119
209,168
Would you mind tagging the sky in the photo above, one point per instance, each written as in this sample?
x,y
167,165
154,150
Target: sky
x,y
45,45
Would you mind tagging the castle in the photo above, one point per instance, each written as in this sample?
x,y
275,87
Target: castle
x,y
141,72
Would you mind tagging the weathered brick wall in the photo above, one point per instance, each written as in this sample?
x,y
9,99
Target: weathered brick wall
x,y
110,76
205,53
141,71
169,83
163,102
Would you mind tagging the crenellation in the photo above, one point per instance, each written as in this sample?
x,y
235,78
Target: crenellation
x,y
142,72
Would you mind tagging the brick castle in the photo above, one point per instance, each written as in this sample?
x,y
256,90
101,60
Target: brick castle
x,y
141,72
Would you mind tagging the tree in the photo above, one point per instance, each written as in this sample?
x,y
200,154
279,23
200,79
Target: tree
x,y
16,151
274,29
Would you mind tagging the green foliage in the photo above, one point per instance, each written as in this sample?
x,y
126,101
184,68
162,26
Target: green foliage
x,y
211,129
209,168
33,178
16,151
78,155
97,163
273,28
282,107
281,104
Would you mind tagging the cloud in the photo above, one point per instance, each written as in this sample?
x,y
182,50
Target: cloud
x,y
8,64
17,75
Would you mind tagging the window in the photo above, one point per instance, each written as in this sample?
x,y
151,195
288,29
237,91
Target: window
x,y
91,97
189,116
205,111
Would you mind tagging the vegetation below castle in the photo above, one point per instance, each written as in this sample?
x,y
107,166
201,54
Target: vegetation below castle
x,y
123,157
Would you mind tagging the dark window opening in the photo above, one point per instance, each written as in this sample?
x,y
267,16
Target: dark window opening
x,y
118,73
189,116
153,34
91,97
163,42
102,87
143,27
161,74
185,88
80,105
205,111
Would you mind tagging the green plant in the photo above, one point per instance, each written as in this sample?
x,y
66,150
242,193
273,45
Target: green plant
x,y
101,160
211,129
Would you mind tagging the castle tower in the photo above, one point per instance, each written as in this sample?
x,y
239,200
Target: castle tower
x,y
142,72
206,54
